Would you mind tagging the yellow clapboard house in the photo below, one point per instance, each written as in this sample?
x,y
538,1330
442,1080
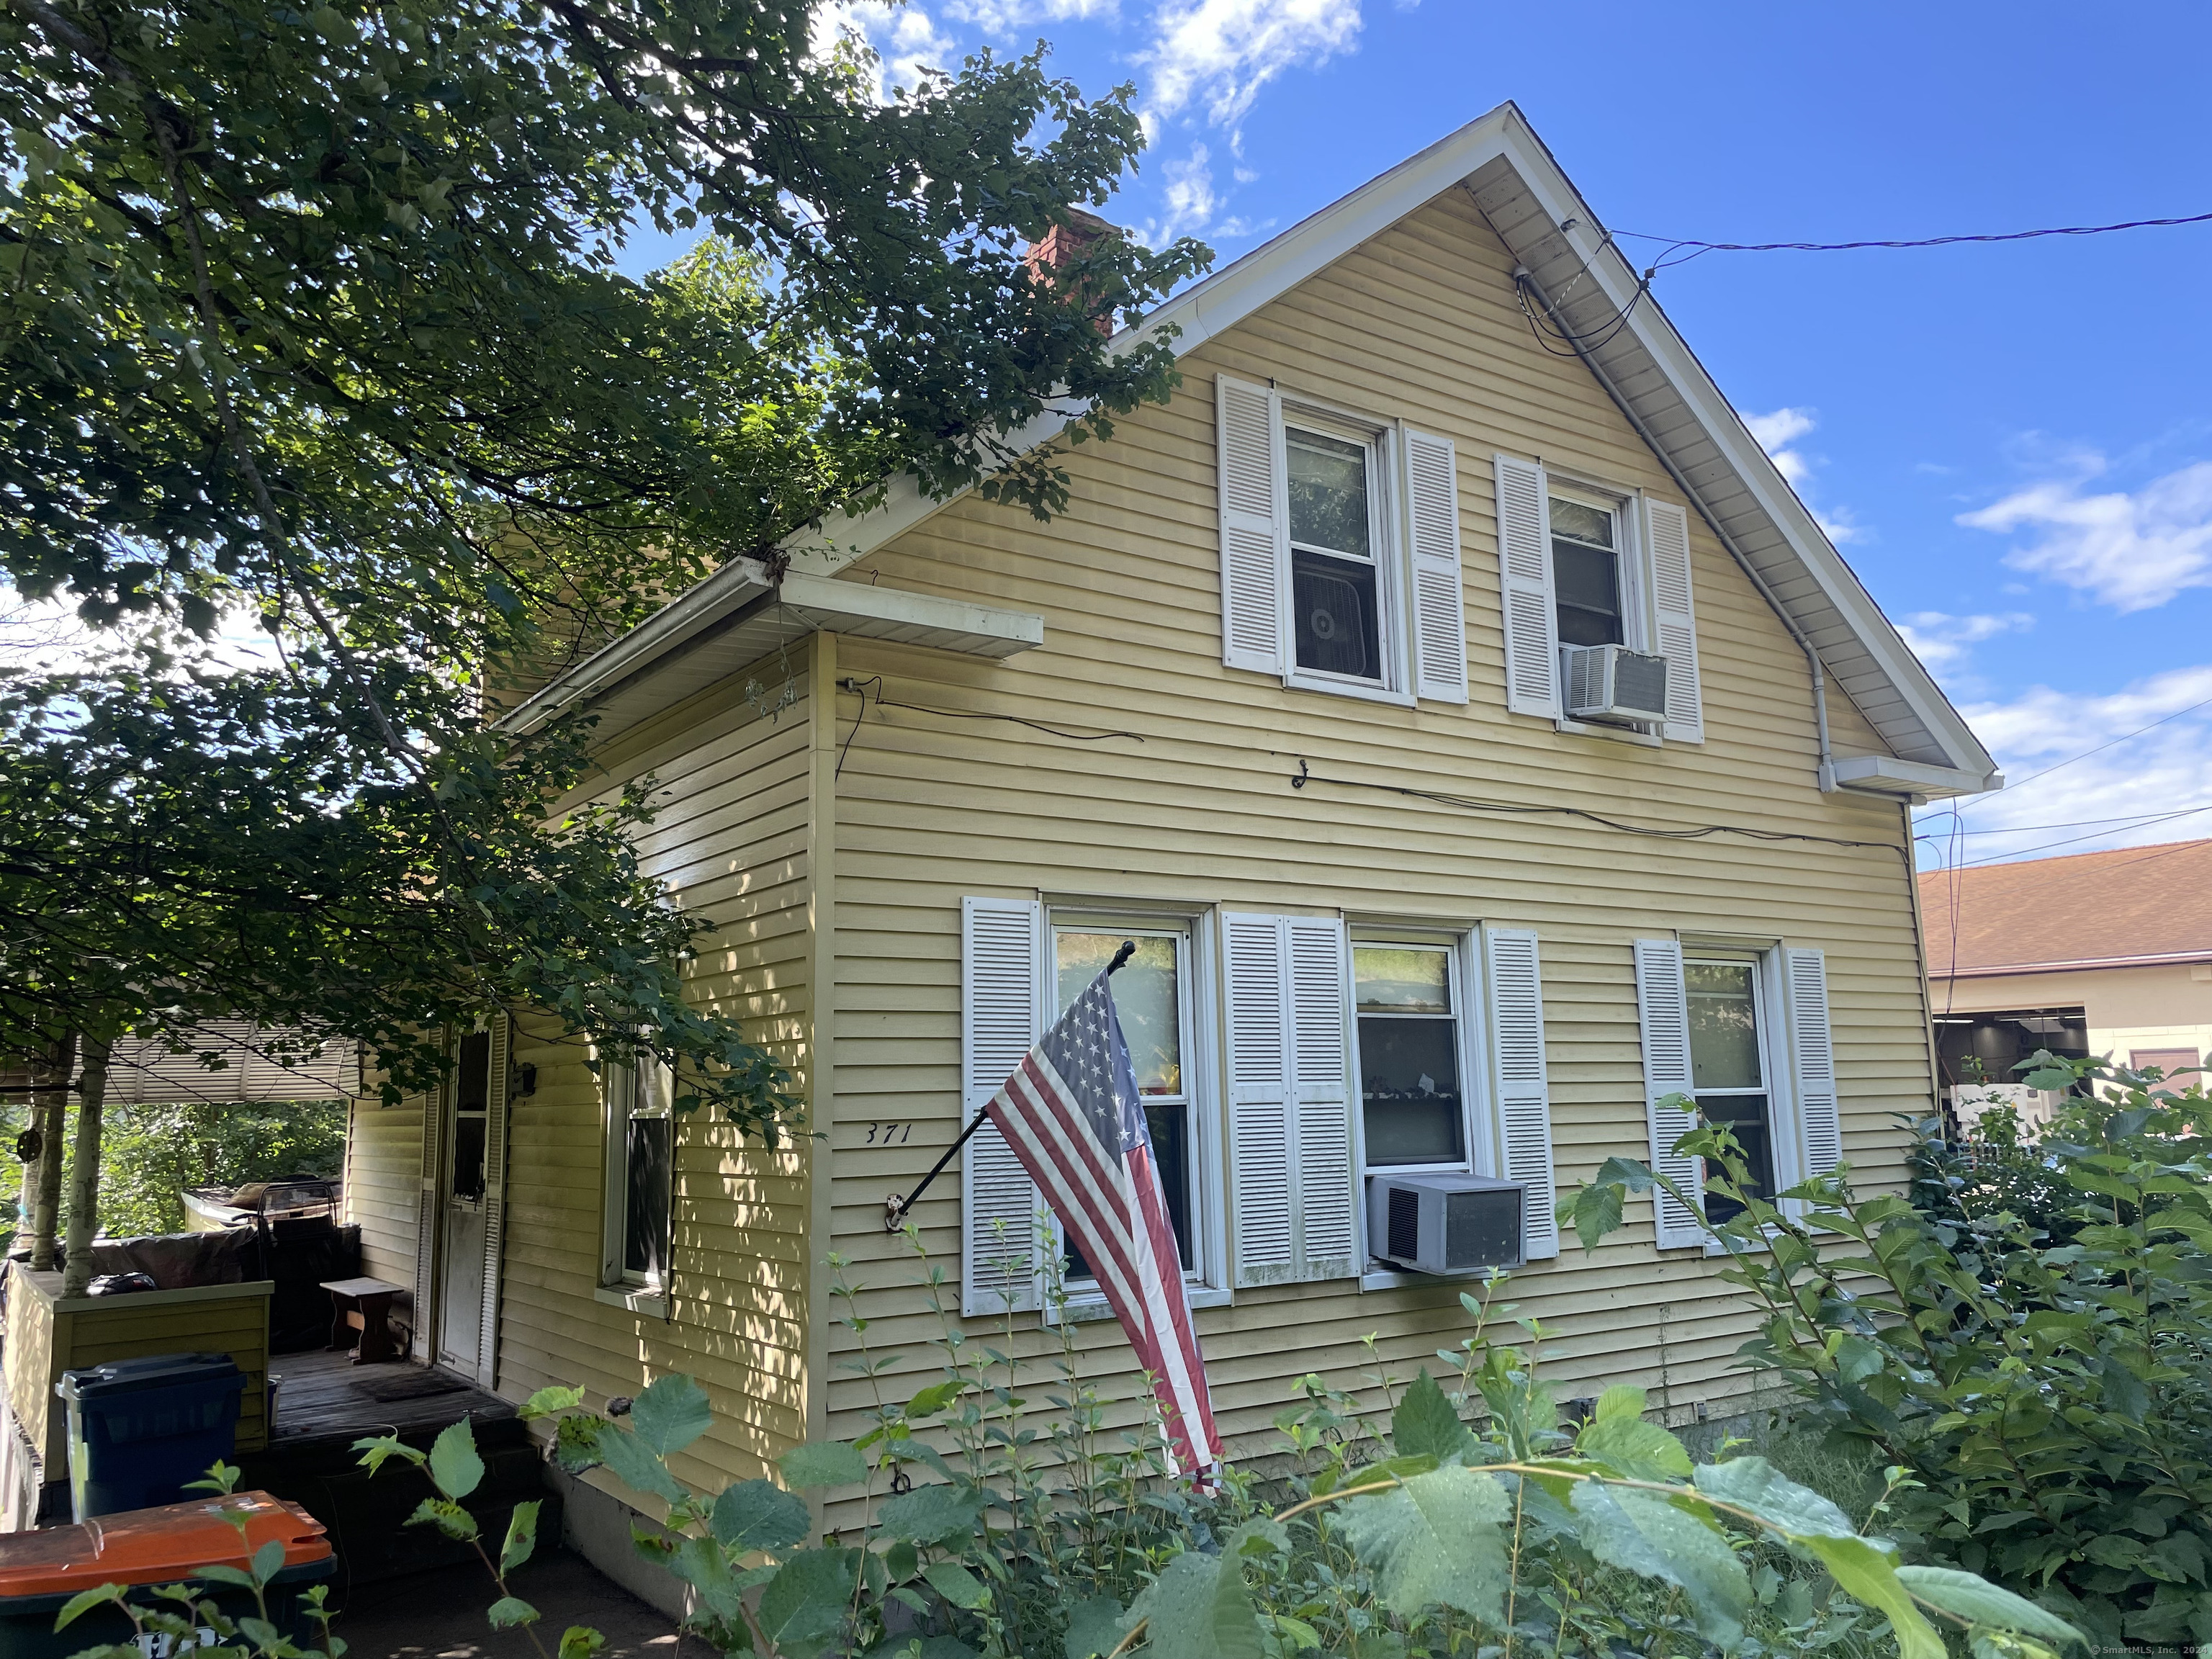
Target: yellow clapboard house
x,y
1478,736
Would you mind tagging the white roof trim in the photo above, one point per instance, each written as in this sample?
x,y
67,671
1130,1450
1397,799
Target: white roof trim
x,y
1885,774
1820,596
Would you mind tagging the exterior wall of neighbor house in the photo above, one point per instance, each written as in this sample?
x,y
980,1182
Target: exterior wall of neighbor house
x,y
2166,1006
383,1184
1421,324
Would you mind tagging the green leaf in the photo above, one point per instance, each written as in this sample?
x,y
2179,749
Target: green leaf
x,y
581,1642
447,1516
957,1585
510,1610
935,1398
1645,1533
221,1477
263,1635
1424,1423
759,1514
379,1449
1198,1609
1622,1399
1756,1486
931,1514
824,1463
1596,1210
83,1602
267,1561
218,1574
521,1535
1436,1540
1966,1596
1095,1627
804,1604
671,1413
700,1563
550,1402
633,1464
1865,1571
455,1467
1632,1448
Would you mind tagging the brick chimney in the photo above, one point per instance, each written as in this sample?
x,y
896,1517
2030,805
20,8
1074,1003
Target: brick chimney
x,y
1061,246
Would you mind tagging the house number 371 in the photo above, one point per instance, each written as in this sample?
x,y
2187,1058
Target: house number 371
x,y
889,1134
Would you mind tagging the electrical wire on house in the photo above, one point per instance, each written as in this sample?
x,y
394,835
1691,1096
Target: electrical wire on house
x,y
1698,250
858,687
1305,775
2098,835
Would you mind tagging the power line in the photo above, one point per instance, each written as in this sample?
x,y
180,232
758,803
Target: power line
x,y
2004,858
2014,787
1698,250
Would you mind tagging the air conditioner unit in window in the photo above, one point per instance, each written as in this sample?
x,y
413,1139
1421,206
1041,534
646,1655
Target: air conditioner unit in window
x,y
1612,682
1444,1223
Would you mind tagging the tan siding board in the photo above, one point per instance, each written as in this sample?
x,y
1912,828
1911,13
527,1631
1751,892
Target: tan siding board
x,y
1421,325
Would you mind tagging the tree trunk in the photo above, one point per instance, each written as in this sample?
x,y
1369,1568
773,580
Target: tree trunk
x,y
84,1170
45,1178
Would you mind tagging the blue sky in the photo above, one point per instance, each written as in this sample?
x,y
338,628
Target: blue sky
x,y
2014,443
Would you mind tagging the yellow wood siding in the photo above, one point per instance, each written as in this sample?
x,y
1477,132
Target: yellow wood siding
x,y
732,842
1420,325
384,1185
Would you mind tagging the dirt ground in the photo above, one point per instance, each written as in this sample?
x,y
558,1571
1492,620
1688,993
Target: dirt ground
x,y
440,1615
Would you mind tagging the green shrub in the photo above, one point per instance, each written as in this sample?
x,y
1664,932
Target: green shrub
x,y
2041,1375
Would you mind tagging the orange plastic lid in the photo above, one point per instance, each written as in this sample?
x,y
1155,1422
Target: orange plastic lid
x,y
157,1546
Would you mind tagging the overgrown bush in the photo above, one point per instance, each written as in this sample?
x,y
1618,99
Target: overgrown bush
x,y
2028,1339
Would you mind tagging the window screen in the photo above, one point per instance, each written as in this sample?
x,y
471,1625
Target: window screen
x,y
1410,1098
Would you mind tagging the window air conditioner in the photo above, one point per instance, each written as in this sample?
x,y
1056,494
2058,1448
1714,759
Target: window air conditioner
x,y
1612,682
1444,1223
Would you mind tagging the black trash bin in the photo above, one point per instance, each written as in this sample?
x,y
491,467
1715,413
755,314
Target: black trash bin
x,y
140,1429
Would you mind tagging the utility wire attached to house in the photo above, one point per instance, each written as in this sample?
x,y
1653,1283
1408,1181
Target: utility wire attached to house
x,y
1698,250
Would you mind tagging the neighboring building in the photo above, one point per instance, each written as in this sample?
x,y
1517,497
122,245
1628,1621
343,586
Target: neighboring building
x,y
1279,696
2098,953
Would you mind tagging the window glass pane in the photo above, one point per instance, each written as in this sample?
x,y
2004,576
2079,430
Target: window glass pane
x,y
1328,490
1146,997
472,1077
1587,582
1723,1025
1390,979
1409,1090
646,1198
1745,1117
468,1155
1587,523
1333,615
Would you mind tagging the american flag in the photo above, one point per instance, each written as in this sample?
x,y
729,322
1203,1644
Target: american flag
x,y
1074,1116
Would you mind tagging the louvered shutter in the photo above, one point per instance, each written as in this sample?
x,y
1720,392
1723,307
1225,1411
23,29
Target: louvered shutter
x,y
1524,557
1290,1123
1668,527
494,1200
1812,1058
1001,977
1664,1003
1439,597
427,1213
1517,1074
1255,518
1320,1064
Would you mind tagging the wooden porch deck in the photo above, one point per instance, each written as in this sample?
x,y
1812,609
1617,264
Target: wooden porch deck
x,y
326,1398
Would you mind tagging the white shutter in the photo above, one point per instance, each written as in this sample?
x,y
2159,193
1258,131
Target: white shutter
x,y
1439,597
1320,1062
1001,980
1524,557
1290,1110
1813,1056
1662,1001
1254,517
494,1232
1668,527
426,1216
1524,1103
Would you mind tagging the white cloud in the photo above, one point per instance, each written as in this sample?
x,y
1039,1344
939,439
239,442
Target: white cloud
x,y
1777,432
2129,549
46,636
2125,795
1221,52
1005,16
1942,641
1187,199
905,38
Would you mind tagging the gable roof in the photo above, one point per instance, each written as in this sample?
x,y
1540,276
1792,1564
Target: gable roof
x,y
1642,363
2134,906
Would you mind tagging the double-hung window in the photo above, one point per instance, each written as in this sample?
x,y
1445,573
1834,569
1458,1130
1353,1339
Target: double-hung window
x,y
1729,1067
1413,1108
640,1156
1340,549
1581,566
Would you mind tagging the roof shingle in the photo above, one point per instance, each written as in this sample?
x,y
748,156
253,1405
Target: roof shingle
x,y
2089,907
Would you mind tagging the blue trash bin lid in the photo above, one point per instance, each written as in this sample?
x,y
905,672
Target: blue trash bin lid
x,y
158,1370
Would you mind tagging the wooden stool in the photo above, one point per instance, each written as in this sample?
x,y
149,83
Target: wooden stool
x,y
360,1304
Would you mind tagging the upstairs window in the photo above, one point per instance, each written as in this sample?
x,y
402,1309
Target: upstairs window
x,y
1336,620
1586,574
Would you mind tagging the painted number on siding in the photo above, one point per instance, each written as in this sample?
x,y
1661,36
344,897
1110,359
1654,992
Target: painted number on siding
x,y
889,1134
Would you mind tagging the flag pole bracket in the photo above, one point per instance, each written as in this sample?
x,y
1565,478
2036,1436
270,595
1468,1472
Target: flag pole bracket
x,y
895,1207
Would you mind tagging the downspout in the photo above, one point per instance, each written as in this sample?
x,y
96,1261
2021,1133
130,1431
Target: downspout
x,y
1827,765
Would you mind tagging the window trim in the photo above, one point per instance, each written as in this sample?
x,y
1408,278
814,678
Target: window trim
x,y
1777,1059
630,1287
1638,610
1206,1283
1385,533
1457,978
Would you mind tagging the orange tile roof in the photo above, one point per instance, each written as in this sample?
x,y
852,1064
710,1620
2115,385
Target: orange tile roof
x,y
2134,902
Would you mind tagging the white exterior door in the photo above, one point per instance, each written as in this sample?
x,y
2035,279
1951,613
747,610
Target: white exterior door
x,y
469,1199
